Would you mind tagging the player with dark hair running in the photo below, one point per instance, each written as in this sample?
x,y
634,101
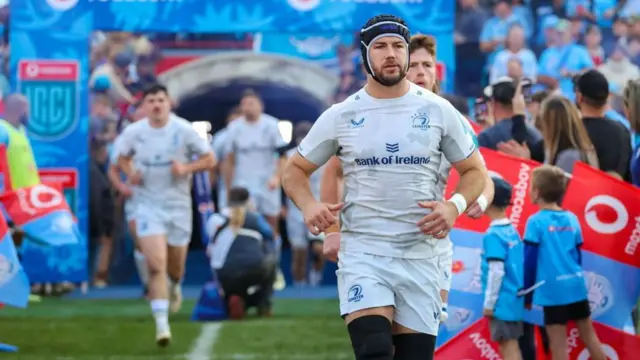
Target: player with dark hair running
x,y
390,138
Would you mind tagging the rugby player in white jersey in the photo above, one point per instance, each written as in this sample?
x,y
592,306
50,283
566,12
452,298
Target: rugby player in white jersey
x,y
219,148
422,72
126,193
163,146
255,157
299,236
390,137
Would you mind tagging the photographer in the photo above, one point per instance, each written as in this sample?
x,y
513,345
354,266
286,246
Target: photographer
x,y
507,107
242,256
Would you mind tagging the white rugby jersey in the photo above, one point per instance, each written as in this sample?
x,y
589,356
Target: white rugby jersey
x,y
255,146
391,151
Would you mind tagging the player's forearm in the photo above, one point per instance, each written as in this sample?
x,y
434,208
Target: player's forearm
x,y
472,184
203,163
329,184
125,165
114,176
489,190
296,185
227,169
494,282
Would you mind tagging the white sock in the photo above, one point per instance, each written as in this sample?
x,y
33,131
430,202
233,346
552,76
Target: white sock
x,y
315,277
141,265
160,310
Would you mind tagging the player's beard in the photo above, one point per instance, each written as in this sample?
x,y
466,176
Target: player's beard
x,y
392,79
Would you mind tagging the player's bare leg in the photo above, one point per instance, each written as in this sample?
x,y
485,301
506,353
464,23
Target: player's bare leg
x,y
139,259
280,282
176,259
371,333
154,249
299,265
317,266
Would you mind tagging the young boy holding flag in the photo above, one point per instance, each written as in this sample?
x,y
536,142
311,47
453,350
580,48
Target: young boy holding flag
x,y
554,276
503,274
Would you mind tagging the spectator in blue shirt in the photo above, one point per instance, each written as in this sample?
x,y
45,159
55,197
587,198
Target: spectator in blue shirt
x,y
632,111
560,63
515,47
503,274
496,28
553,268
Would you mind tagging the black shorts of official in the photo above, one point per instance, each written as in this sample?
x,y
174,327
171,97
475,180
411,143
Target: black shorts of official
x,y
562,314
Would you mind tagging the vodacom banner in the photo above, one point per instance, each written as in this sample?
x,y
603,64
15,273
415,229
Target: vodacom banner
x,y
515,171
475,343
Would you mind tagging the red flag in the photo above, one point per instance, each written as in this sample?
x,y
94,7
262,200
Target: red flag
x,y
617,345
5,179
26,204
515,171
609,212
473,343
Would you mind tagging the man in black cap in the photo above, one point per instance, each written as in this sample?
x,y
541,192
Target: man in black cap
x,y
390,138
610,138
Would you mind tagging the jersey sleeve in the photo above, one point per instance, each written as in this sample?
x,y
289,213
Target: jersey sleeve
x,y
494,247
321,143
115,150
126,147
194,143
531,231
229,144
458,139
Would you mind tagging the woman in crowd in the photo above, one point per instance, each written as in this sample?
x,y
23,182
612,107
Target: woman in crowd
x,y
632,112
241,250
565,137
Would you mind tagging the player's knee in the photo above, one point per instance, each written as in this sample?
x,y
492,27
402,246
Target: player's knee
x,y
371,338
414,346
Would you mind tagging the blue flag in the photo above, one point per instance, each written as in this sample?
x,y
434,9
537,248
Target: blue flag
x,y
14,284
202,197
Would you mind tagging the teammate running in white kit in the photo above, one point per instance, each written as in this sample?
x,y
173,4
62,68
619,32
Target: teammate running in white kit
x,y
255,156
163,146
390,137
299,236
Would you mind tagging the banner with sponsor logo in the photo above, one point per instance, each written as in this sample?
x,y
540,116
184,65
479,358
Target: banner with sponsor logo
x,y
516,172
54,250
474,343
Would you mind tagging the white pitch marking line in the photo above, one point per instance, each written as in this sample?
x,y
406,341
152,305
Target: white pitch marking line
x,y
204,343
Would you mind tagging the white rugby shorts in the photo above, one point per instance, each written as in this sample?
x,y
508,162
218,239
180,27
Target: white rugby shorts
x,y
410,285
175,225
444,250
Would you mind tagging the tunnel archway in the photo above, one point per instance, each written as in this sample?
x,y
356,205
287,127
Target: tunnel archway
x,y
207,88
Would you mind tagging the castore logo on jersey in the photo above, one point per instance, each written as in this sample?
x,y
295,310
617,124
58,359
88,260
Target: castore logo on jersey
x,y
591,214
356,124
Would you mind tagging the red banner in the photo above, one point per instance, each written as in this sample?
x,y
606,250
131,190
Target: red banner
x,y
609,212
515,171
473,343
27,204
617,345
5,179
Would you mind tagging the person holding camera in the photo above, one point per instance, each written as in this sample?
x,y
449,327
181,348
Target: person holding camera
x,y
507,106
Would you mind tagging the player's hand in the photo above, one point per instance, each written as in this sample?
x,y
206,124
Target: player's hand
x,y
487,313
135,178
178,169
439,222
518,102
474,211
124,190
320,216
273,183
331,246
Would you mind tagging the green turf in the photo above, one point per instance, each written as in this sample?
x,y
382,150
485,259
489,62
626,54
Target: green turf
x,y
121,330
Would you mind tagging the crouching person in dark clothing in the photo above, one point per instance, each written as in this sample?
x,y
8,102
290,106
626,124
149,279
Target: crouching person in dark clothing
x,y
242,256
